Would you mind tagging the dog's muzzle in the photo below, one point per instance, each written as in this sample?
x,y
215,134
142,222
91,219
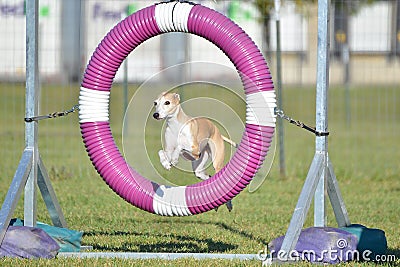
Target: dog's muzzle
x,y
156,116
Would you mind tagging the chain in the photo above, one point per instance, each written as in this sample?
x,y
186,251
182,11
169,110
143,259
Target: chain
x,y
298,123
53,115
278,113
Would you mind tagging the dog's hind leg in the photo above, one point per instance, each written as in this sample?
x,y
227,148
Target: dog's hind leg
x,y
218,155
217,148
199,165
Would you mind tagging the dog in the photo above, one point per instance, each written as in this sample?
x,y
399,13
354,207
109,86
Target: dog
x,y
195,139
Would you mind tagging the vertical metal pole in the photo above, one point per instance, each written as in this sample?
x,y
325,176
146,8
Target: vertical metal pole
x,y
32,108
321,143
70,39
31,171
316,182
282,164
346,62
396,8
320,176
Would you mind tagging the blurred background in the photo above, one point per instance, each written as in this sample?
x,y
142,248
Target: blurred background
x,y
364,34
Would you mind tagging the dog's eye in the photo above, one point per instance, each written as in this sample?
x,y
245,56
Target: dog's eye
x,y
167,103
155,103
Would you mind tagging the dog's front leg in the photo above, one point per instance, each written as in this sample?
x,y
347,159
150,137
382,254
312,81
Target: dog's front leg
x,y
175,155
170,146
164,159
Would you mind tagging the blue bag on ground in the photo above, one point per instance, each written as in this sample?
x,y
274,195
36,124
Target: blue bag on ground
x,y
372,242
68,240
320,245
28,242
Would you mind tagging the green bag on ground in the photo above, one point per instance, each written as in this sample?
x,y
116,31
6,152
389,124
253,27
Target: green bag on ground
x,y
68,240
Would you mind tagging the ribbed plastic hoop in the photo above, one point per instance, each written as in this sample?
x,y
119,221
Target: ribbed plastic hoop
x,y
94,105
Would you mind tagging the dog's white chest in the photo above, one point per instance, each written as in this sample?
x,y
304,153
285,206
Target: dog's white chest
x,y
185,138
179,135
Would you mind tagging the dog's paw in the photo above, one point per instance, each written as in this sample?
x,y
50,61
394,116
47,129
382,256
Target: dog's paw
x,y
164,160
166,165
174,159
174,162
229,205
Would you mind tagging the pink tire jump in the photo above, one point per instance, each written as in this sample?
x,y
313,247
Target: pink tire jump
x,y
94,109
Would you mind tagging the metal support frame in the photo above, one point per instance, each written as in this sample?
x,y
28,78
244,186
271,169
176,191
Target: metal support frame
x,y
31,172
280,129
321,180
162,256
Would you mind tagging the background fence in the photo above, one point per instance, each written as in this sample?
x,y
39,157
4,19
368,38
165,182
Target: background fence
x,y
368,35
364,75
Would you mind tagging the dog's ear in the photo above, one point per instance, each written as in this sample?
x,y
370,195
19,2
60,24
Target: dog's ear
x,y
177,96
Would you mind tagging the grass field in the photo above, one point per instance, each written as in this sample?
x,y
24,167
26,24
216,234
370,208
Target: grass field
x,y
364,150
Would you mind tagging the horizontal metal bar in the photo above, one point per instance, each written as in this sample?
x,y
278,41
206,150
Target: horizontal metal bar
x,y
164,256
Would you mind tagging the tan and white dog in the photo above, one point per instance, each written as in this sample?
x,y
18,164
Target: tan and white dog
x,y
195,139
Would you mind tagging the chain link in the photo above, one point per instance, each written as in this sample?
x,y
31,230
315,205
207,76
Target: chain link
x,y
278,112
53,115
281,114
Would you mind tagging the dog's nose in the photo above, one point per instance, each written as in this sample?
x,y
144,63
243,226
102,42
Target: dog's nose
x,y
156,115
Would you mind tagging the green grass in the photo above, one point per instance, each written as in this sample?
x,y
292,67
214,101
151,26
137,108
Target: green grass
x,y
364,152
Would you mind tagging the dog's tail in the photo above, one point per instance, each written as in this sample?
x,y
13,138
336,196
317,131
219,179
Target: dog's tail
x,y
226,139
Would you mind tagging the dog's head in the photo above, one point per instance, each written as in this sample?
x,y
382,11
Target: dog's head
x,y
165,105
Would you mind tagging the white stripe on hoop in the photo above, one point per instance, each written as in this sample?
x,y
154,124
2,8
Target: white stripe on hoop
x,y
260,108
170,201
173,16
93,105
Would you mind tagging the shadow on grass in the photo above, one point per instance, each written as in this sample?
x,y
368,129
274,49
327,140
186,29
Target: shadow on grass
x,y
168,243
240,232
174,243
